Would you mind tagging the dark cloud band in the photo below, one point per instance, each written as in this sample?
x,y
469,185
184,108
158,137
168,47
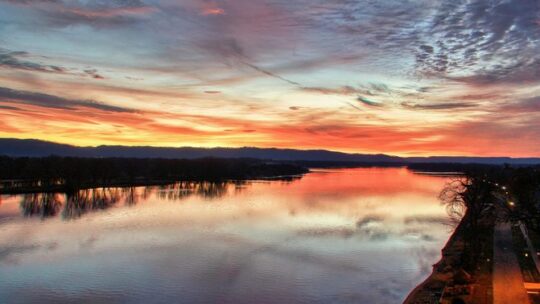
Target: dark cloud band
x,y
51,101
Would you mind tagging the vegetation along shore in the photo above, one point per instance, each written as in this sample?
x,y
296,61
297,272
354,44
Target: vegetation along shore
x,y
492,256
68,174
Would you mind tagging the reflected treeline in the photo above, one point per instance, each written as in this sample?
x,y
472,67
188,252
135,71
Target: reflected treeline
x,y
89,200
41,204
75,205
209,190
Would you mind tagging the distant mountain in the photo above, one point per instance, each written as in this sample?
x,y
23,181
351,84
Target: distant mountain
x,y
474,160
39,148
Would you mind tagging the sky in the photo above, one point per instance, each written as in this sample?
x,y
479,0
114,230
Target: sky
x,y
409,77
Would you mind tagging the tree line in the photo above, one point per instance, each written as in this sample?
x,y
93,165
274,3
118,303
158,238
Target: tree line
x,y
485,195
71,174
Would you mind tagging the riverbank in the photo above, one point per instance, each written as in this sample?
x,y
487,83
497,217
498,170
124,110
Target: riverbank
x,y
449,281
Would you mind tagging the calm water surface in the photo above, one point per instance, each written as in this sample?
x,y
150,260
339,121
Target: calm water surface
x,y
339,236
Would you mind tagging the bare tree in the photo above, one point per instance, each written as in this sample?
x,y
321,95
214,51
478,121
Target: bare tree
x,y
470,200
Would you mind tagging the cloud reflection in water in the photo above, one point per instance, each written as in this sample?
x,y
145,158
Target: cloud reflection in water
x,y
334,236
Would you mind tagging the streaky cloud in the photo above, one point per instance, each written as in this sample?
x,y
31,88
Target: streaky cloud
x,y
369,102
439,106
92,13
527,105
343,90
52,101
12,60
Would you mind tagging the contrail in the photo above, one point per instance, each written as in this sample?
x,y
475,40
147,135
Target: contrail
x,y
256,68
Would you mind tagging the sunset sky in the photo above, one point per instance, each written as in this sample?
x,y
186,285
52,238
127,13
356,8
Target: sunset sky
x,y
397,77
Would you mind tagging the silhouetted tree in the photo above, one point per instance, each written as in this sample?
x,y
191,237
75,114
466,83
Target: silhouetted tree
x,y
472,199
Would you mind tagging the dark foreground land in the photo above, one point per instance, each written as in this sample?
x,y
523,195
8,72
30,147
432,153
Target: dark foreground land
x,y
68,174
493,256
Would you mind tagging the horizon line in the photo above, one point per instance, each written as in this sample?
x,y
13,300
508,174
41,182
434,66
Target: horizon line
x,y
274,148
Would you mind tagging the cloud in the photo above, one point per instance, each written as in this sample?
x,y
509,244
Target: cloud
x,y
425,219
13,60
527,105
94,74
482,42
369,102
367,220
99,17
344,90
8,108
428,49
212,11
343,232
369,227
370,89
439,106
29,2
379,87
97,13
210,8
472,57
51,101
524,71
17,60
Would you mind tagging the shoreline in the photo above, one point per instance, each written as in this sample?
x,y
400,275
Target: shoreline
x,y
143,183
419,292
449,281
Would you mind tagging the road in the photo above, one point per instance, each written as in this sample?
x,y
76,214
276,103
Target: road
x,y
508,286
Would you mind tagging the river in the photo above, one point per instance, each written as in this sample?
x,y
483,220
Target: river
x,y
366,235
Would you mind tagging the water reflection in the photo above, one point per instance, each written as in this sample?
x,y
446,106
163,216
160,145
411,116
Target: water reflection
x,y
341,236
41,204
89,200
208,190
78,203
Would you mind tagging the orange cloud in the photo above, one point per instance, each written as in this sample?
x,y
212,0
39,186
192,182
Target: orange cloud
x,y
212,11
89,126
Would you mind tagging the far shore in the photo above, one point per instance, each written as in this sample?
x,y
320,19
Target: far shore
x,y
57,174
